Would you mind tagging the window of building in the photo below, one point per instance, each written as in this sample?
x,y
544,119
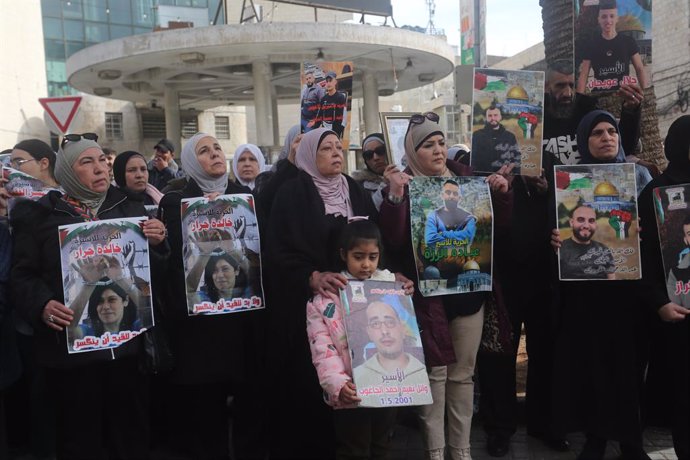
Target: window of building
x,y
153,125
120,12
74,30
51,8
190,126
113,125
96,32
222,128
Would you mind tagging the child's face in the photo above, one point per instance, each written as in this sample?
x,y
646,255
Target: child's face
x,y
362,259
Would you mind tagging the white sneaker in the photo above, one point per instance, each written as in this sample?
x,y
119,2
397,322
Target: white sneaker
x,y
435,454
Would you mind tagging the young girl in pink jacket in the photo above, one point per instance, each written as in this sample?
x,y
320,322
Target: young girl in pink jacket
x,y
364,432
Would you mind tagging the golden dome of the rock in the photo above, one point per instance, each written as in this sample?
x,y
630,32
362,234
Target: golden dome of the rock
x,y
470,265
605,189
517,92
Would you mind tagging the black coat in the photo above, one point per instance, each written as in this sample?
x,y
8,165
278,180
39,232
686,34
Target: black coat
x,y
207,348
37,274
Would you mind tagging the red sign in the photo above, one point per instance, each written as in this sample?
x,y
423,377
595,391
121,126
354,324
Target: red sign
x,y
61,110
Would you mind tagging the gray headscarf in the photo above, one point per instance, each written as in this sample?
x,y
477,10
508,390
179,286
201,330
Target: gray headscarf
x,y
193,168
289,137
65,175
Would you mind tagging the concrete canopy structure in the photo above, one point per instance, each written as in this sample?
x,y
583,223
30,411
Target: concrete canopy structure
x,y
255,64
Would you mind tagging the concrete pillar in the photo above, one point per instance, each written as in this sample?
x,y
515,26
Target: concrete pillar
x,y
371,104
263,106
173,125
276,118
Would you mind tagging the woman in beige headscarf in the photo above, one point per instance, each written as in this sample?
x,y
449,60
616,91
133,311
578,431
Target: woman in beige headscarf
x,y
104,385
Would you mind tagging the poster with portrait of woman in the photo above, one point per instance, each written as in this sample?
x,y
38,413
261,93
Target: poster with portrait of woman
x,y
383,337
507,120
596,209
452,234
326,97
672,207
613,44
220,251
106,282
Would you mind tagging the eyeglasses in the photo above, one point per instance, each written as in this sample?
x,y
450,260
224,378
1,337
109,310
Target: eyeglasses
x,y
390,323
16,163
78,137
369,154
418,119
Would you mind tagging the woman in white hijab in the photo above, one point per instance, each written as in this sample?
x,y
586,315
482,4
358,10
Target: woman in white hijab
x,y
247,163
212,352
105,384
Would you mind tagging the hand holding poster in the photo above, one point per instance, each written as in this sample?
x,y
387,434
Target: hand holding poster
x,y
106,282
596,207
221,255
383,337
673,222
507,115
452,234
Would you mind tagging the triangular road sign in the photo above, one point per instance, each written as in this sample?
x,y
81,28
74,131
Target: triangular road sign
x,y
61,110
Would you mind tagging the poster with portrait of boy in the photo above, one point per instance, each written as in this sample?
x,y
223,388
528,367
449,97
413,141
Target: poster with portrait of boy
x,y
452,234
326,97
220,253
106,282
613,44
596,209
507,120
385,346
672,207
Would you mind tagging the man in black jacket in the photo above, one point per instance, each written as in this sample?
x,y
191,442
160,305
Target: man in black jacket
x,y
494,146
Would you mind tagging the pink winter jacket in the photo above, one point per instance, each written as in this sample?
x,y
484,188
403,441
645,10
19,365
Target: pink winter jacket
x,y
328,342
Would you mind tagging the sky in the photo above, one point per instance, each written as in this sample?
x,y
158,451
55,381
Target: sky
x,y
512,25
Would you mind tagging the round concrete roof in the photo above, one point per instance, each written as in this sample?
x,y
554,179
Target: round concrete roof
x,y
211,66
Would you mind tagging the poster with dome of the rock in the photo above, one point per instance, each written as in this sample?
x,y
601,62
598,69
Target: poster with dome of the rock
x,y
596,209
451,222
507,120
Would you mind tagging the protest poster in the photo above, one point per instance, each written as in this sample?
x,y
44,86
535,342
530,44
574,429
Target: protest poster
x,y
220,251
326,97
385,346
507,120
394,126
673,222
613,44
596,208
106,282
20,185
452,234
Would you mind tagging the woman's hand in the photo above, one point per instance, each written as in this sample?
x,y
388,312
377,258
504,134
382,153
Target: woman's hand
x,y
212,196
348,394
538,183
407,284
397,180
555,239
673,313
93,269
154,231
498,182
209,241
325,282
56,316
632,95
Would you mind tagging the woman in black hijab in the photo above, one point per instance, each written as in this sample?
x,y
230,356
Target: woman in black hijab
x,y
667,378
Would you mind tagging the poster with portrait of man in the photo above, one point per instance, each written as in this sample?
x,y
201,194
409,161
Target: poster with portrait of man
x,y
596,208
326,97
452,234
106,282
613,44
507,116
220,252
672,208
383,336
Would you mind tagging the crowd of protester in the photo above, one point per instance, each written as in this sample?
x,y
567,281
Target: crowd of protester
x,y
605,358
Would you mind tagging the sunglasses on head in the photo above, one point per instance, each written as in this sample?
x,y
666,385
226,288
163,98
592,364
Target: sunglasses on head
x,y
78,137
369,154
418,118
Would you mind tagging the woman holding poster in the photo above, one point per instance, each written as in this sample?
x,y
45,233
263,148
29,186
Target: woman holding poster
x,y
451,326
37,279
214,354
597,374
307,217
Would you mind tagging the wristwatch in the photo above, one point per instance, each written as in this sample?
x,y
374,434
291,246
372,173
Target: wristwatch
x,y
395,199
